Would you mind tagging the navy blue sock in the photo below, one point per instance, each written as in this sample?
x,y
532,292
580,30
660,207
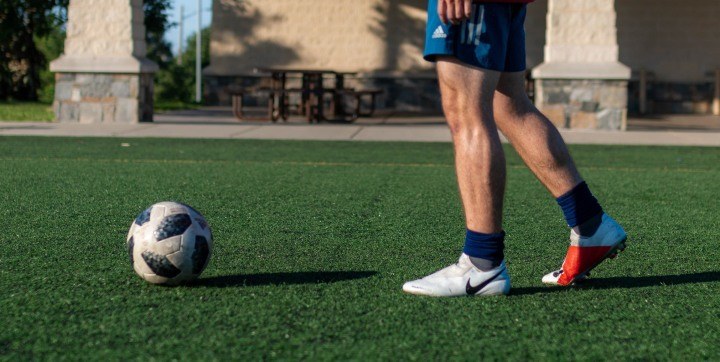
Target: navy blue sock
x,y
485,250
579,205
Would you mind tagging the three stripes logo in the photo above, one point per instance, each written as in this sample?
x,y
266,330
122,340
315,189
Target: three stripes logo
x,y
470,29
439,33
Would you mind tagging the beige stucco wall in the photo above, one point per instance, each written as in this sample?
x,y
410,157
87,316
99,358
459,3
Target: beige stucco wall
x,y
679,41
350,35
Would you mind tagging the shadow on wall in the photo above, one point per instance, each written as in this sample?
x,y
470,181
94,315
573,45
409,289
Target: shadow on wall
x,y
235,50
242,31
401,26
400,30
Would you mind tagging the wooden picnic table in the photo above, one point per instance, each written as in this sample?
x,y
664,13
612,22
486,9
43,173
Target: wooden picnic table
x,y
311,92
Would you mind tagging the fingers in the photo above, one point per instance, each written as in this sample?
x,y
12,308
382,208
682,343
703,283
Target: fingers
x,y
468,9
459,11
454,11
442,11
452,15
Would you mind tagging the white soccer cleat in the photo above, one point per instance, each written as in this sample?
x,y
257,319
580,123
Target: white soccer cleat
x,y
585,253
462,278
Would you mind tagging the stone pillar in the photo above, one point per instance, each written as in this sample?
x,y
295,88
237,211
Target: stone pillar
x,y
103,75
581,83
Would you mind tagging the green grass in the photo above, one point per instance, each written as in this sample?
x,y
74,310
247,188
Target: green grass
x,y
314,239
26,111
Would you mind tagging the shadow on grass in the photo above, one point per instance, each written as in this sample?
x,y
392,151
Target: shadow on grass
x,y
246,280
626,282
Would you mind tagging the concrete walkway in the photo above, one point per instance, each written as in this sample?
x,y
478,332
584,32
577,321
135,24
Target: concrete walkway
x,y
209,123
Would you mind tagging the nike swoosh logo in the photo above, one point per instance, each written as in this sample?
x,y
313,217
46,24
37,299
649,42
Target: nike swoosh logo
x,y
470,290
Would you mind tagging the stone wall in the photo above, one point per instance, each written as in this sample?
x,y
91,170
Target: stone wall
x,y
672,97
414,94
581,83
103,75
584,104
100,98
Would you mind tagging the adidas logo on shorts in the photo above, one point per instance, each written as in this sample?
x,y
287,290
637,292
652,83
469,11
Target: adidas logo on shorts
x,y
439,33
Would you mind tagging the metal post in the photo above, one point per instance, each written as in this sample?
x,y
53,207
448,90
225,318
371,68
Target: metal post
x,y
643,91
180,35
198,55
716,101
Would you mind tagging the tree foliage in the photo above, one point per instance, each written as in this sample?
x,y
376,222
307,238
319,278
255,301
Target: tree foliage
x,y
21,61
32,34
157,22
51,46
177,82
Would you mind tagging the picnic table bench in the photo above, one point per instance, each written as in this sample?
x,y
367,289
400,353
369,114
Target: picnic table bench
x,y
311,96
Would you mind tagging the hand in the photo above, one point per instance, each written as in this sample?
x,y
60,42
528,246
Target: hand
x,y
454,11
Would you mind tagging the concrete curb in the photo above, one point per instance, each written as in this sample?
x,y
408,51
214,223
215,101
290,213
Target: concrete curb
x,y
335,132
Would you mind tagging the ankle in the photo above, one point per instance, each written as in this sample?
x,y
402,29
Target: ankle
x,y
589,227
485,250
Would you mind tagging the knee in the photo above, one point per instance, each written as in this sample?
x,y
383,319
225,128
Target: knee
x,y
464,118
454,118
513,108
463,123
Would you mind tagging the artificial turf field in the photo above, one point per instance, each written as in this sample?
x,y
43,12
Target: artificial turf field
x,y
313,241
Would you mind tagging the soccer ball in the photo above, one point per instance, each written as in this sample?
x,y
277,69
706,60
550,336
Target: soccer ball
x,y
169,243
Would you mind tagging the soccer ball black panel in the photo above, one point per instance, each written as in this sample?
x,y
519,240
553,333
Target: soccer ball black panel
x,y
172,225
160,265
131,246
169,243
143,217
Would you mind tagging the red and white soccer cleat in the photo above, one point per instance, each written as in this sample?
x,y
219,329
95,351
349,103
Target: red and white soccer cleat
x,y
585,253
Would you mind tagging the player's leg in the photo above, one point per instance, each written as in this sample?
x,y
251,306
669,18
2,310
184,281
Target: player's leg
x,y
594,236
467,98
470,57
533,136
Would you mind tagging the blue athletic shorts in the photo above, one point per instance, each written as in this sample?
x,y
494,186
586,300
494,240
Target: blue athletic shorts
x,y
493,38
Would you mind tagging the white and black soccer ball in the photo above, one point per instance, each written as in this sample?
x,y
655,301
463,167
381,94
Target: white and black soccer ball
x,y
169,243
